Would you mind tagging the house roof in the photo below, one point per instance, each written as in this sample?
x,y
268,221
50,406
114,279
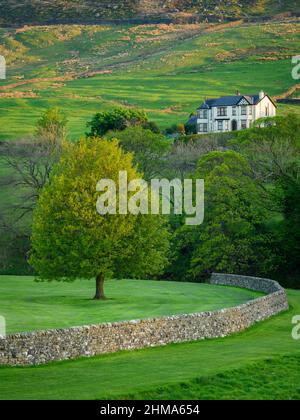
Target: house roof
x,y
230,101
192,120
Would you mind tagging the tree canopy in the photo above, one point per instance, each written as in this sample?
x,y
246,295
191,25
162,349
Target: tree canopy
x,y
149,149
274,155
116,120
71,240
232,238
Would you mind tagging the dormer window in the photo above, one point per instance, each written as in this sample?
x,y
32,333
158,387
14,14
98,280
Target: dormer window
x,y
222,111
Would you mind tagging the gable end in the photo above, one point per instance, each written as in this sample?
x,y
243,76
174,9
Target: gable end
x,y
243,101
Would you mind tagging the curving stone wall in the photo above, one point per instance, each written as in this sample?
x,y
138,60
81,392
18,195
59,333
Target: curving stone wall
x,y
46,346
253,283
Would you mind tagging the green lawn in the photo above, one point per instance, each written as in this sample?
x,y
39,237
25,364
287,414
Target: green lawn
x,y
28,305
119,374
271,379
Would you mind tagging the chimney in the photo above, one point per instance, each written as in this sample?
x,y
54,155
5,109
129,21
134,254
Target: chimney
x,y
238,93
261,95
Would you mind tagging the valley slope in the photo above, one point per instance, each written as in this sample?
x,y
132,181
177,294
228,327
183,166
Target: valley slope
x,y
166,69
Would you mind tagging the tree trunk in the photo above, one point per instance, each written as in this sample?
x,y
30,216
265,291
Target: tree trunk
x,y
100,288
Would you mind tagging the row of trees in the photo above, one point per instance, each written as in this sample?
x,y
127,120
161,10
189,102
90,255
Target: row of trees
x,y
251,201
252,208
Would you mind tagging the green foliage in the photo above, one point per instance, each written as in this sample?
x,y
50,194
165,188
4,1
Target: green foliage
x,y
149,149
232,238
152,126
71,240
13,253
281,128
274,156
290,230
26,166
52,125
175,129
115,120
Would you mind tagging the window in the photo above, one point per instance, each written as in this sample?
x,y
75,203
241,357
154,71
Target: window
x,y
222,112
244,109
250,110
234,110
244,124
226,125
203,128
203,114
267,111
220,125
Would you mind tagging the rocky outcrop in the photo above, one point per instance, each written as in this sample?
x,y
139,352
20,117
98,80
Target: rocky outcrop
x,y
89,11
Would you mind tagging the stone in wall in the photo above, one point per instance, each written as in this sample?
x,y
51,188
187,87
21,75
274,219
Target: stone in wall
x,y
52,345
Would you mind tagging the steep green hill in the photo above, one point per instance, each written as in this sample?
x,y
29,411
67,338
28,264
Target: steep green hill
x,y
63,11
165,69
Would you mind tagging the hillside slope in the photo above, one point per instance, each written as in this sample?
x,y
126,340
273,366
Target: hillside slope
x,y
81,11
165,69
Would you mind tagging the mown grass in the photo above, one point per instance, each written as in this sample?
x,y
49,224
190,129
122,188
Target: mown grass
x,y
28,305
270,379
115,375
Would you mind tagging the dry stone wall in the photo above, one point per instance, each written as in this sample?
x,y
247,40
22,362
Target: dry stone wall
x,y
52,345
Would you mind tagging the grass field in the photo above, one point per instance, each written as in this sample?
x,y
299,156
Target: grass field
x,y
165,69
264,380
28,305
139,372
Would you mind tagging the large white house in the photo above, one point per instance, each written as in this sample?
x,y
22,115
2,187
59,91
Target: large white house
x,y
231,113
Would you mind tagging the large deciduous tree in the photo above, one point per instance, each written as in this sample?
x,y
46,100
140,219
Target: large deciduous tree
x,y
233,238
70,240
